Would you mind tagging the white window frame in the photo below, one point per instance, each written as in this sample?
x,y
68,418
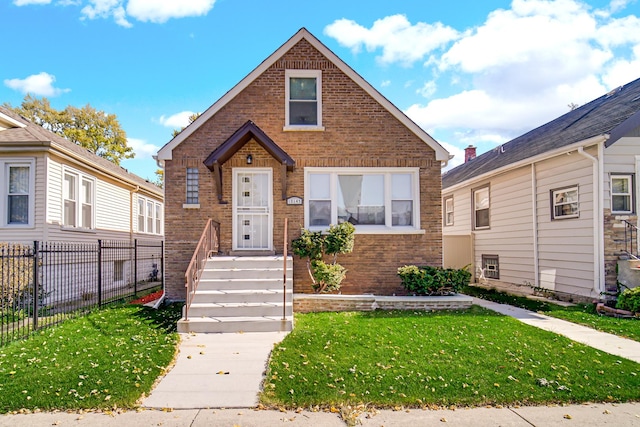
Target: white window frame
x,y
448,210
79,177
317,74
554,204
629,178
153,207
387,228
473,202
4,191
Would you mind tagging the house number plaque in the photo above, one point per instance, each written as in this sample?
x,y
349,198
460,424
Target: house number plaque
x,y
294,200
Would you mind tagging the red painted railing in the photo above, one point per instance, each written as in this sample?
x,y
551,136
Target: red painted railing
x,y
208,245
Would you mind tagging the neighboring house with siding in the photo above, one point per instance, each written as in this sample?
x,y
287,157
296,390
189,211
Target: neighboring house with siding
x,y
547,209
53,189
303,124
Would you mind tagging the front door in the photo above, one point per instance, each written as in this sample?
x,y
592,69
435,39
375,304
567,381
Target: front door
x,y
252,209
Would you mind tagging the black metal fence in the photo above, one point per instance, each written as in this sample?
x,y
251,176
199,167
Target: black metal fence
x,y
44,283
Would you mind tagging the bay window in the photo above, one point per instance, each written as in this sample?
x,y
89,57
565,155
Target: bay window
x,y
372,199
149,216
78,200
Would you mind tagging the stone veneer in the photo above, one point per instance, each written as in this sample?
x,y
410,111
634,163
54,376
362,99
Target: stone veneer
x,y
307,303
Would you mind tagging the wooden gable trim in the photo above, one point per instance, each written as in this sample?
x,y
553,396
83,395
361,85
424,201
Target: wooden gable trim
x,y
244,134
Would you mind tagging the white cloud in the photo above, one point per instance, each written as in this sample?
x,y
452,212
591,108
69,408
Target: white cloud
x,y
385,83
156,11
159,11
428,89
36,84
29,2
517,70
143,149
177,121
399,40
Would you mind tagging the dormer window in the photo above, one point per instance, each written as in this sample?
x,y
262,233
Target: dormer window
x,y
303,109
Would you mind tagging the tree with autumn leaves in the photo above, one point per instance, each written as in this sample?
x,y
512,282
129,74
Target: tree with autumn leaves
x,y
95,130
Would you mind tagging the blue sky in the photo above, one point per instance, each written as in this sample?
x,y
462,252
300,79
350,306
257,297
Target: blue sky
x,y
467,71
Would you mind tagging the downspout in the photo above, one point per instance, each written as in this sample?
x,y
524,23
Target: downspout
x,y
131,193
534,205
598,219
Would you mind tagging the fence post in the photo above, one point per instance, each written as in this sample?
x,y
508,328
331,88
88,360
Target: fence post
x,y
135,267
36,284
99,273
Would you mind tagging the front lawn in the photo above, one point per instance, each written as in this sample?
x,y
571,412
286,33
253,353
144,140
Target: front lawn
x,y
583,314
106,359
417,359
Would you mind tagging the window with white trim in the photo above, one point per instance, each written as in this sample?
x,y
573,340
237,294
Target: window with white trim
x,y
149,216
565,203
481,205
372,199
78,200
448,210
622,194
303,106
17,192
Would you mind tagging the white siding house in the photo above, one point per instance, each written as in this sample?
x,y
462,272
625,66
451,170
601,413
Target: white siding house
x,y
548,209
52,189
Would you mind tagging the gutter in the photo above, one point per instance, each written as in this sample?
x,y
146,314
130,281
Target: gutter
x,y
598,217
525,162
534,214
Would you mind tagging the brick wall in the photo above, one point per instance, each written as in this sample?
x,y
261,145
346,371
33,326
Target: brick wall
x,y
358,133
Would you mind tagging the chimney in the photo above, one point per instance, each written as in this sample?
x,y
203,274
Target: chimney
x,y
469,153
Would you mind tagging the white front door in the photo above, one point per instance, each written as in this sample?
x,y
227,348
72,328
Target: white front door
x,y
252,209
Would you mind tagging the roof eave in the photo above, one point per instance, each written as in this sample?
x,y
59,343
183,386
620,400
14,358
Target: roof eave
x,y
534,159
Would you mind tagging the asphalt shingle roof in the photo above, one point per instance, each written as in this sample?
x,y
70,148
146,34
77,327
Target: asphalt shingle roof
x,y
612,114
35,134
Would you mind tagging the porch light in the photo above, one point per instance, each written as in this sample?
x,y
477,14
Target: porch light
x,y
249,159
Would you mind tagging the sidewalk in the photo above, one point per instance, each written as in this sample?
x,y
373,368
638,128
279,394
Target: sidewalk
x,y
591,415
603,341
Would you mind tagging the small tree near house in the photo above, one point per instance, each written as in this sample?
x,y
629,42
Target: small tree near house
x,y
316,247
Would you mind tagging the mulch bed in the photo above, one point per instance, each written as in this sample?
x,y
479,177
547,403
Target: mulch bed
x,y
148,298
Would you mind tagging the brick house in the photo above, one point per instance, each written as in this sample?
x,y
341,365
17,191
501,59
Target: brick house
x,y
303,136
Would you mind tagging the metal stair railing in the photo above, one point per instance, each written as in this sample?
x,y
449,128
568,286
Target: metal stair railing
x,y
630,239
208,244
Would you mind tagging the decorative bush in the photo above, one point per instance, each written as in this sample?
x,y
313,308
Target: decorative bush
x,y
629,300
426,280
314,245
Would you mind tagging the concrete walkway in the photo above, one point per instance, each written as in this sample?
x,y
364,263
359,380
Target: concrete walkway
x,y
215,371
603,341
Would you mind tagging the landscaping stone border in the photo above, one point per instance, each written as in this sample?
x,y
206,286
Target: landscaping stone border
x,y
308,303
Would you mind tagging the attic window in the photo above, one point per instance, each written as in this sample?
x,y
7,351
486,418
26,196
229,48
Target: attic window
x,y
303,106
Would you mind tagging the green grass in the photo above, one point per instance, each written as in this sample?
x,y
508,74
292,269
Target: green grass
x,y
417,359
583,314
106,359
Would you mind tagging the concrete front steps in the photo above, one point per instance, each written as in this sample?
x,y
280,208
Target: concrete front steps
x,y
242,294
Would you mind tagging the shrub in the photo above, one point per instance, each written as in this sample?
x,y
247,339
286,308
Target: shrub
x,y
313,245
629,300
427,280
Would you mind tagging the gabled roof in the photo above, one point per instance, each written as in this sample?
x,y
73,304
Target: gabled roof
x,y
610,117
27,136
165,153
246,132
